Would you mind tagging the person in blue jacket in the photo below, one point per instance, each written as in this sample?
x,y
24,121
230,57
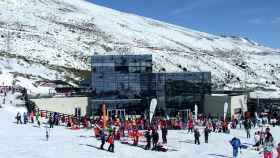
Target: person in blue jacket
x,y
235,143
102,138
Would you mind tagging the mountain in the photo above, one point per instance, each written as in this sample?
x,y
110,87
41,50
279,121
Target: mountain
x,y
54,39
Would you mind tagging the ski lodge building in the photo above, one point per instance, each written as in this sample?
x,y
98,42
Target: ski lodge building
x,y
126,83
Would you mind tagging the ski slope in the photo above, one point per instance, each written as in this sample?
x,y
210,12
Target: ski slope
x,y
28,141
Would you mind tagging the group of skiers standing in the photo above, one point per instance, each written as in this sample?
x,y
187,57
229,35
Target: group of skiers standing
x,y
28,117
206,131
152,137
53,119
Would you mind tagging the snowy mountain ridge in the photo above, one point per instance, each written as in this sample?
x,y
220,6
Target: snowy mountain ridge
x,y
53,39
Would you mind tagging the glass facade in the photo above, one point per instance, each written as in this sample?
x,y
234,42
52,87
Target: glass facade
x,y
127,82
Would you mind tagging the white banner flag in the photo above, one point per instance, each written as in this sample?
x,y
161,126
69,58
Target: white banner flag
x,y
195,111
153,106
225,110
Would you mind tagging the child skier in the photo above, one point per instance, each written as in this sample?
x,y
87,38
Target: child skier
x,y
268,147
235,143
111,142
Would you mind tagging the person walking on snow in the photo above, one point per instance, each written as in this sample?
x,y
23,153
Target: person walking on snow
x,y
32,116
51,120
206,134
155,138
37,118
18,118
148,138
164,134
25,118
235,143
190,126
135,134
247,126
103,139
111,142
196,136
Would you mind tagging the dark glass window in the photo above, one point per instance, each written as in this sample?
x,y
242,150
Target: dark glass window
x,y
121,69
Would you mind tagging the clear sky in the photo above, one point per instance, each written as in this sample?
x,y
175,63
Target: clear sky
x,y
259,20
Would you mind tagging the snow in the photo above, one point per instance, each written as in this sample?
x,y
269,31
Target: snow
x,y
11,103
28,141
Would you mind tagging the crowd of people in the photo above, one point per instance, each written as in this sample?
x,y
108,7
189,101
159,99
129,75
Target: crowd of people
x,y
116,129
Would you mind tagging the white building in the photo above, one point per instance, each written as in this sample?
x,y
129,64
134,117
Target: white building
x,y
214,104
65,105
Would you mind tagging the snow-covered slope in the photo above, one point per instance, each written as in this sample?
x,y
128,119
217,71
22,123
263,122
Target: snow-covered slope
x,y
52,39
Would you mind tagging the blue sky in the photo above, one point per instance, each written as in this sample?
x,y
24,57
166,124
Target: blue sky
x,y
258,20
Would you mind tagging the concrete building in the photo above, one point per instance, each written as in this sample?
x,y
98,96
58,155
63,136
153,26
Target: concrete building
x,y
65,105
214,104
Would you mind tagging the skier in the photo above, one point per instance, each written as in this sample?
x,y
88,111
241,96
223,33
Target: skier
x,y
164,134
155,138
267,133
247,126
235,143
32,116
18,117
37,118
190,126
111,142
206,134
51,120
196,136
268,147
103,138
135,135
148,138
257,138
25,118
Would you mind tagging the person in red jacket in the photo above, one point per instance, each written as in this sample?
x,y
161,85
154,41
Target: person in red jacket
x,y
32,116
111,141
135,136
190,126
